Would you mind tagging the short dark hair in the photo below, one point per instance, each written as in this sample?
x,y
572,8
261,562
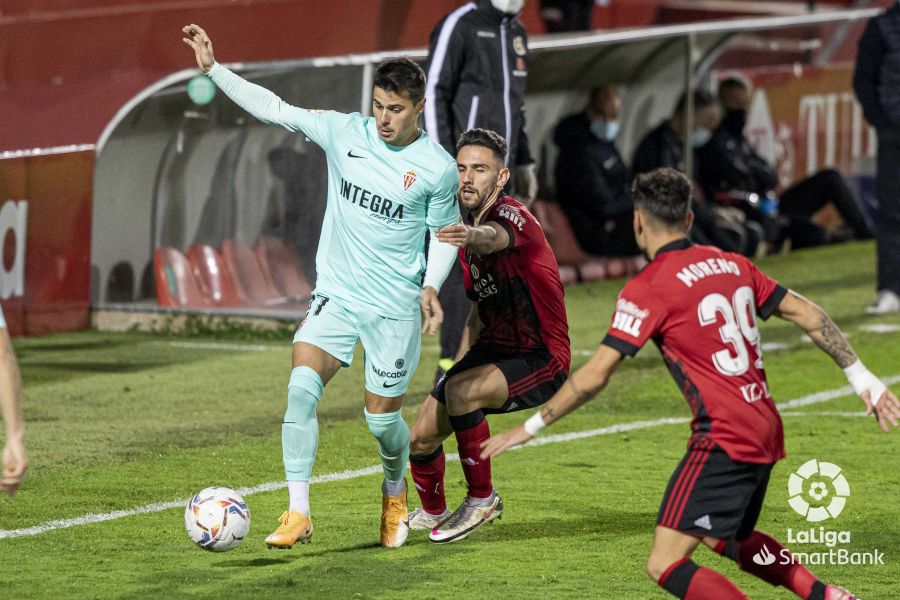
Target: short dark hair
x,y
702,99
664,193
400,75
491,140
731,83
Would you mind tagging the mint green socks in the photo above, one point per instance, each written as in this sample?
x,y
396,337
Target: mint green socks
x,y
393,444
300,430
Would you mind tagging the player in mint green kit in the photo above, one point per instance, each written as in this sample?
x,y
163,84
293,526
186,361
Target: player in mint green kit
x,y
388,183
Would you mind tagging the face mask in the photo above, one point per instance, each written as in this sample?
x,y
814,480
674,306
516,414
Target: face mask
x,y
700,137
510,7
735,121
605,130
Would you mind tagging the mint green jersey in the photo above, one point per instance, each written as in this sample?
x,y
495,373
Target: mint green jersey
x,y
381,200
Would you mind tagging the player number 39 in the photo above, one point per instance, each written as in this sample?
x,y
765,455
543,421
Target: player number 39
x,y
738,331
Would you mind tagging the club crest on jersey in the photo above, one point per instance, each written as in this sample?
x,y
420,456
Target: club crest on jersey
x,y
409,178
519,45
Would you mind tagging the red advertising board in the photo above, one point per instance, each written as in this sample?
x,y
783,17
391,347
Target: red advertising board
x,y
45,226
807,119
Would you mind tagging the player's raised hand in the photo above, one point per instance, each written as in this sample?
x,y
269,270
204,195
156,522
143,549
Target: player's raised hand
x,y
197,39
432,311
886,410
456,235
500,443
15,463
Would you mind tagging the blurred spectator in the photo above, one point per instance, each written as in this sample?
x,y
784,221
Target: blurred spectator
x,y
567,15
877,85
724,227
591,178
729,167
14,460
476,78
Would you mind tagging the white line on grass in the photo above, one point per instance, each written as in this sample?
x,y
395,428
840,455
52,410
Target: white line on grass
x,y
224,346
816,398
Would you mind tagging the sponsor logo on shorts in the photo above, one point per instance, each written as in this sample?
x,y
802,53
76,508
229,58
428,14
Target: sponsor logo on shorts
x,y
400,373
704,523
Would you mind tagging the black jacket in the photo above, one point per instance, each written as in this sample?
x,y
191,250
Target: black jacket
x,y
476,78
877,77
728,162
591,178
660,148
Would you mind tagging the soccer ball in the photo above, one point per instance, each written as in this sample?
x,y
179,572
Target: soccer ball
x,y
217,519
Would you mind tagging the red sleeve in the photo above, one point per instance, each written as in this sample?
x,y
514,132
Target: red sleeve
x,y
639,317
520,225
467,274
767,292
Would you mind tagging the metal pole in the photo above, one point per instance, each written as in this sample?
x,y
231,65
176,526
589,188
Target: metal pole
x,y
367,75
690,47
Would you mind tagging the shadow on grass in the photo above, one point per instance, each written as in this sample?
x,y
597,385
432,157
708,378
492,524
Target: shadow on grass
x,y
289,556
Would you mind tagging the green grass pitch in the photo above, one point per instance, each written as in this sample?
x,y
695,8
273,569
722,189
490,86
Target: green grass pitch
x,y
121,421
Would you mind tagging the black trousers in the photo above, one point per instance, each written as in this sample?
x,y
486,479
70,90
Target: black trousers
x,y
802,200
612,237
456,307
887,227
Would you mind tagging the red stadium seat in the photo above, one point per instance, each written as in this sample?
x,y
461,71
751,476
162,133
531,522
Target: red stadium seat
x,y
283,267
213,277
565,246
175,283
568,274
252,282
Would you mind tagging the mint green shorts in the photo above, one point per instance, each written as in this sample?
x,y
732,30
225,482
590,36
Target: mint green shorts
x,y
392,346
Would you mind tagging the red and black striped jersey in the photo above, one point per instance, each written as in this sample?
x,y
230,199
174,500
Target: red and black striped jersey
x,y
519,293
699,305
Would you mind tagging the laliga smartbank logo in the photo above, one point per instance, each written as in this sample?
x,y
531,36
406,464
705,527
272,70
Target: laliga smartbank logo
x,y
818,491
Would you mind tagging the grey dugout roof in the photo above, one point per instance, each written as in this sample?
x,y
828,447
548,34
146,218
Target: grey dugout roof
x,y
560,61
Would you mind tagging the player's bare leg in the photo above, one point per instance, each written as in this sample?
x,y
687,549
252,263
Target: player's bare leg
x,y
388,427
790,574
312,369
670,565
426,462
467,393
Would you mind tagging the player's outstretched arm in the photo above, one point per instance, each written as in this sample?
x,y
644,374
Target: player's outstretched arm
x,y
256,100
581,386
197,39
879,400
481,239
15,461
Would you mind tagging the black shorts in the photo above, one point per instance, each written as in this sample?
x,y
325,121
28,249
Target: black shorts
x,y
711,495
531,378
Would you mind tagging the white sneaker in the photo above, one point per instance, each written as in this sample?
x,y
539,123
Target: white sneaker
x,y
419,519
466,519
885,302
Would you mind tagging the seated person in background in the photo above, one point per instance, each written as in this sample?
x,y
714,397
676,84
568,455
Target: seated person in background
x,y
728,164
664,147
592,179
